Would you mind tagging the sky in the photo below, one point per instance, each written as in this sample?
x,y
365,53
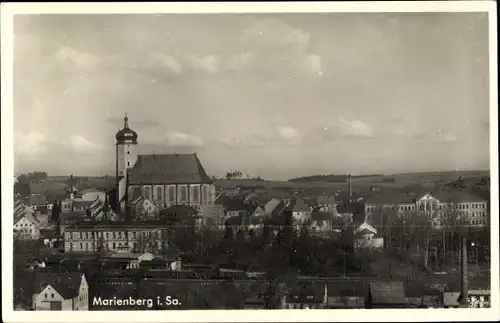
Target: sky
x,y
271,95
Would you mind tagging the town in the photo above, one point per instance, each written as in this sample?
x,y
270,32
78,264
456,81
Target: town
x,y
162,227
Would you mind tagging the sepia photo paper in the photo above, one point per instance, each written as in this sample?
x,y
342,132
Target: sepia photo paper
x,y
250,162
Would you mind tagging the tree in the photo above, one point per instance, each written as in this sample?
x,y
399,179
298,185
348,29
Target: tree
x,y
56,211
36,176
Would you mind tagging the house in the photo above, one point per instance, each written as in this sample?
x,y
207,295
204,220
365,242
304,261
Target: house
x,y
346,295
366,237
20,208
130,260
274,207
309,296
236,208
386,295
143,208
321,221
256,223
326,203
27,228
301,212
92,194
38,203
54,292
212,215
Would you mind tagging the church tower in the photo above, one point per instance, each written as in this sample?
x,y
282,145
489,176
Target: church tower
x,y
126,149
126,157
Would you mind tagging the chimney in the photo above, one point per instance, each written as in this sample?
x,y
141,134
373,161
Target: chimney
x,y
464,282
350,187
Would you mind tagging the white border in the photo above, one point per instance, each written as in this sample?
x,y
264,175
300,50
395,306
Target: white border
x,y
375,315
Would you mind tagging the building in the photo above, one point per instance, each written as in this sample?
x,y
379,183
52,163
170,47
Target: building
x,y
367,237
91,194
386,295
90,237
326,203
164,179
313,296
301,212
27,228
442,207
321,222
55,292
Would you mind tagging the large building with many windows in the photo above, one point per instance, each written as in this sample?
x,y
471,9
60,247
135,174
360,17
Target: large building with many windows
x,y
164,179
443,206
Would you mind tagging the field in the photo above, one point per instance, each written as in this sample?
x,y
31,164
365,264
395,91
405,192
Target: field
x,y
428,180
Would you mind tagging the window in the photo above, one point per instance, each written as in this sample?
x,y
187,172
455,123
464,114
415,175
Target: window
x,y
81,246
146,193
119,235
183,194
51,295
159,194
128,164
205,193
134,234
196,194
81,235
107,235
171,196
46,295
114,235
128,152
114,246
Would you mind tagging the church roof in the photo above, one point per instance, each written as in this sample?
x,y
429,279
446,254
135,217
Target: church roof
x,y
168,169
126,133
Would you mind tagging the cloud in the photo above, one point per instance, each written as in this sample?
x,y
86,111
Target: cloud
x,y
273,33
209,63
169,62
447,137
313,63
289,135
78,58
80,144
179,139
355,128
32,143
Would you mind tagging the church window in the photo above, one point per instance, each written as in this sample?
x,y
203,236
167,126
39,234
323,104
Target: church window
x,y
146,193
196,193
159,194
183,194
171,196
205,194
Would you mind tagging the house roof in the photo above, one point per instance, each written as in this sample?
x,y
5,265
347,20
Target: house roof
x,y
67,285
455,197
272,205
37,188
325,200
22,188
211,210
347,289
236,205
168,169
345,207
37,199
321,216
297,205
389,199
387,293
256,219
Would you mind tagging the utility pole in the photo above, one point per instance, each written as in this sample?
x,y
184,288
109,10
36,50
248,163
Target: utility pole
x,y
464,274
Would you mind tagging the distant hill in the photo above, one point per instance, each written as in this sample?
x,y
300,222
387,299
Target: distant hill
x,y
329,178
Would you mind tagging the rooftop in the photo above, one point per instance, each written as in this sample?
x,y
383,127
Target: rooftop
x,y
168,169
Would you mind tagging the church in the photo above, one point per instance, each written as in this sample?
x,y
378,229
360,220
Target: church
x,y
163,179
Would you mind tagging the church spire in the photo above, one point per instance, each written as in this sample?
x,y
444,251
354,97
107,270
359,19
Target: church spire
x,y
125,121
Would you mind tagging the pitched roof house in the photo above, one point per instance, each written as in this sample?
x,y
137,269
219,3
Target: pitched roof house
x,y
56,292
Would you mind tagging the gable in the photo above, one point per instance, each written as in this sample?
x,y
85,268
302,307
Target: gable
x,y
49,290
366,228
427,197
